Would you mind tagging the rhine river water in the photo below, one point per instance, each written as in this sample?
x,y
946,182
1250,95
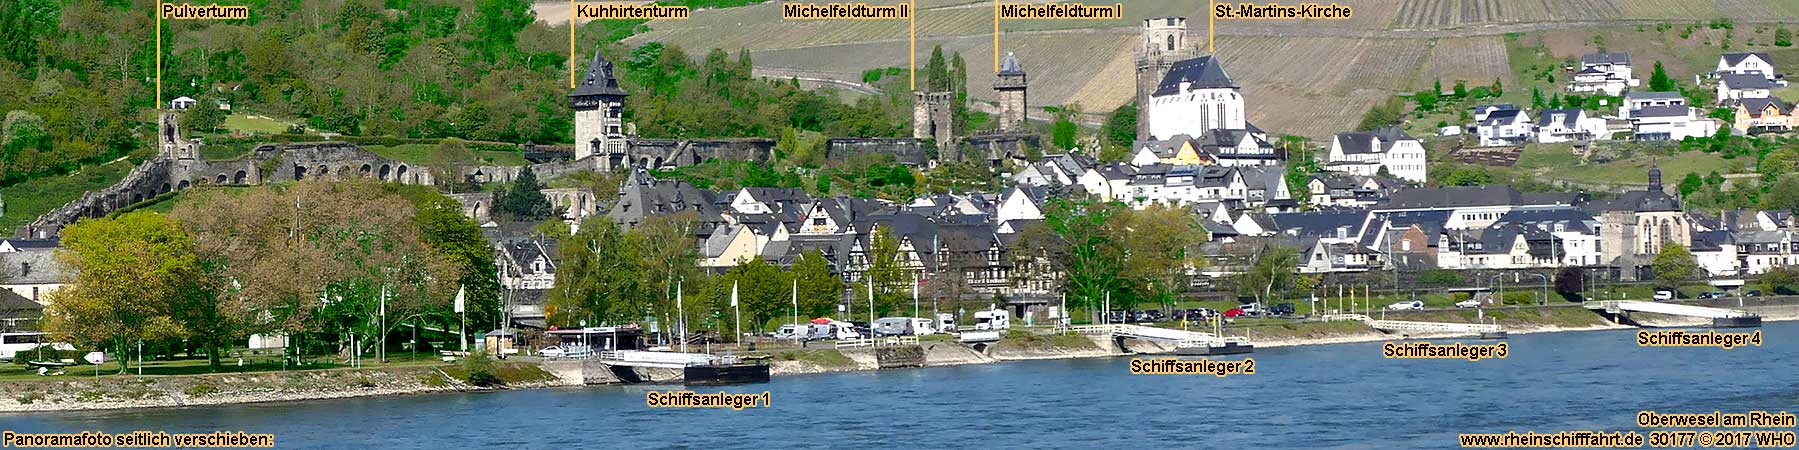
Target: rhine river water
x,y
1334,396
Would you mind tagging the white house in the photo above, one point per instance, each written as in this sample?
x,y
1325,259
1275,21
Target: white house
x,y
1366,153
1021,203
1674,123
1504,127
1639,100
1739,86
1195,96
1746,63
1482,111
1107,181
1568,125
182,103
1609,73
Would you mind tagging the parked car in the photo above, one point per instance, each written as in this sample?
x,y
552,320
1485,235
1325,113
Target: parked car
x,y
1234,312
550,352
1283,309
1411,305
1663,295
1711,295
1252,309
1753,293
1469,303
1783,290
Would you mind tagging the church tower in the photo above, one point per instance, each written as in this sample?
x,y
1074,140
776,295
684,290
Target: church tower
x,y
1009,89
599,105
1164,43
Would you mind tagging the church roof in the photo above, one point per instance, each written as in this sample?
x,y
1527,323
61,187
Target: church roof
x,y
599,79
1010,65
1204,72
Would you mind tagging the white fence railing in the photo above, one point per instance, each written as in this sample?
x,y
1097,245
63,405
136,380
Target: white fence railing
x,y
889,341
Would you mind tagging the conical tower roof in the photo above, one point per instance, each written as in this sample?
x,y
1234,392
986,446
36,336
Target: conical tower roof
x,y
598,80
1010,66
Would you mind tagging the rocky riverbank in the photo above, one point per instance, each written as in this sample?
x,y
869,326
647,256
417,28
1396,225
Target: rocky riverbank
x,y
80,393
73,392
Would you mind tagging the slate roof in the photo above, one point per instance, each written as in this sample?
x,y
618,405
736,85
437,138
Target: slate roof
x,y
1653,96
1546,219
1605,58
599,79
1502,116
1360,142
1755,106
1570,117
1737,58
1454,197
1204,72
1320,224
14,306
1738,81
1662,111
1010,65
32,267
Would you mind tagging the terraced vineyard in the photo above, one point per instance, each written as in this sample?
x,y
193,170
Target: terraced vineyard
x,y
1304,77
1475,59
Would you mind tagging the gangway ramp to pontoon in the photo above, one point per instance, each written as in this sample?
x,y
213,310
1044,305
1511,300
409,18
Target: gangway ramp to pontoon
x,y
1410,326
1719,316
1156,334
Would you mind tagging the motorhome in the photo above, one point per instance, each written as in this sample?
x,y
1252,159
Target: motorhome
x,y
946,322
832,331
997,319
903,326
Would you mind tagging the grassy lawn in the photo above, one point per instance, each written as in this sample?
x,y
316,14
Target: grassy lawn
x,y
423,153
1631,171
26,201
254,124
1547,156
192,366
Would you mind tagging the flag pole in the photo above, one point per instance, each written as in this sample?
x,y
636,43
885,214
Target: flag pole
x,y
681,314
796,310
739,311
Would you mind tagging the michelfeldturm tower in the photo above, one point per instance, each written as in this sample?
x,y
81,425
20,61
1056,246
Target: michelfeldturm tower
x,y
1164,43
1009,89
599,105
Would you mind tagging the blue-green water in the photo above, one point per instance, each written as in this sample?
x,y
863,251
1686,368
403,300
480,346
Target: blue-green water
x,y
1335,396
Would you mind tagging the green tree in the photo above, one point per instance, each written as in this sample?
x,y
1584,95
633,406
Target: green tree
x,y
1674,266
1120,129
891,281
1162,244
763,290
936,71
131,273
1064,131
1468,176
1784,194
819,289
1384,114
668,245
1273,271
1690,183
523,200
1536,98
1659,81
204,116
598,277
1079,242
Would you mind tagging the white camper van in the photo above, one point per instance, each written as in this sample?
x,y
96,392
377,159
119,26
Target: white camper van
x,y
997,319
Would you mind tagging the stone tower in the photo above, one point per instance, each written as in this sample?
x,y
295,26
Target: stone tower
x,y
1164,43
1009,89
172,145
599,105
933,115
